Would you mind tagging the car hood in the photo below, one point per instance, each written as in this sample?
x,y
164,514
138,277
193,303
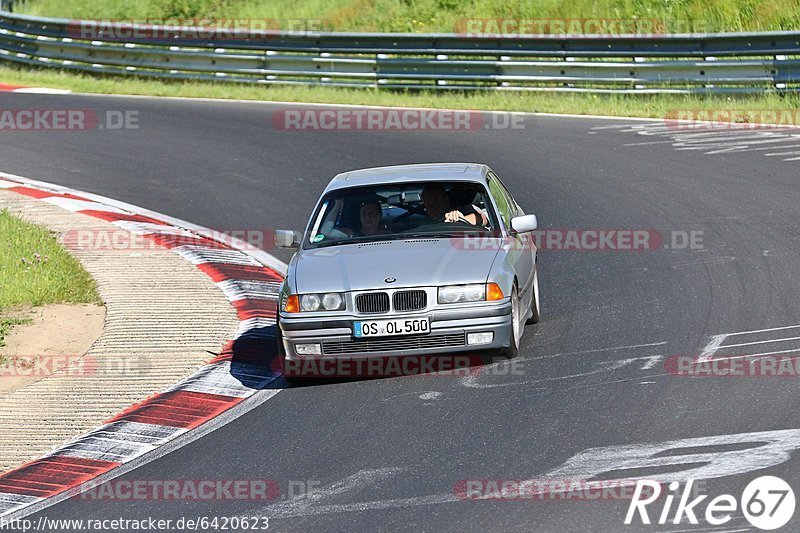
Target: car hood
x,y
421,262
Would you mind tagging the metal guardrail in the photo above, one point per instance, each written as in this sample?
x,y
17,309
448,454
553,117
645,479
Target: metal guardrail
x,y
680,63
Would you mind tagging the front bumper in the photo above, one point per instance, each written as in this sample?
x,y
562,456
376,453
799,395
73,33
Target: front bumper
x,y
448,328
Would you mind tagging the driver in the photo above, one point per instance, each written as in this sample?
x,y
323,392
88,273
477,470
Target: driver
x,y
438,208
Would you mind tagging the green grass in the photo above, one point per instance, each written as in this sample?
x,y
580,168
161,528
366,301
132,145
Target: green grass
x,y
418,16
440,15
5,326
36,270
654,106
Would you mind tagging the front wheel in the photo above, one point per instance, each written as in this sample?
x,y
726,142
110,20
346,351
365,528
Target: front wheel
x,y
516,328
535,309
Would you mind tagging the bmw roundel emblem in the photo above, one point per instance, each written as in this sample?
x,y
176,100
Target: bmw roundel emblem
x,y
390,280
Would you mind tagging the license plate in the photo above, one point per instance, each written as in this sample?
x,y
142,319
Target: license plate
x,y
385,328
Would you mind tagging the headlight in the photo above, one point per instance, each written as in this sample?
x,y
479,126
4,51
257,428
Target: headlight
x,y
462,293
329,301
310,302
332,301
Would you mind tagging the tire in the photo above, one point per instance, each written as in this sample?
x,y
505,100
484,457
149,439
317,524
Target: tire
x,y
535,305
516,328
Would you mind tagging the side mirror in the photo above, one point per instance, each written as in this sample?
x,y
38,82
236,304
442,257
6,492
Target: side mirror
x,y
286,238
524,224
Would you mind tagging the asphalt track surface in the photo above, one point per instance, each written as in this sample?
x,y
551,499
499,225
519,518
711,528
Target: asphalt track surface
x,y
387,453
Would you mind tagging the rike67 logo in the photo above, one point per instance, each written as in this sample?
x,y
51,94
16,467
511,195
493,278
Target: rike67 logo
x,y
767,502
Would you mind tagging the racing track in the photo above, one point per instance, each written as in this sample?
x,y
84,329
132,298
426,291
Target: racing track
x,y
388,452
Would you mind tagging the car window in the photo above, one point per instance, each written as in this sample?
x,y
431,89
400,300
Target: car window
x,y
360,214
515,209
504,204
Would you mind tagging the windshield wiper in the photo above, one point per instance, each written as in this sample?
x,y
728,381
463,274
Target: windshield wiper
x,y
430,235
348,240
354,240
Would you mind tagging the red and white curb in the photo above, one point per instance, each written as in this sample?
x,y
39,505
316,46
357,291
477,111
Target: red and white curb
x,y
6,88
249,278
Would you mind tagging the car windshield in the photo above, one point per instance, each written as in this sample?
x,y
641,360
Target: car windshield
x,y
401,211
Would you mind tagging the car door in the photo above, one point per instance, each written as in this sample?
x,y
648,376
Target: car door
x,y
523,250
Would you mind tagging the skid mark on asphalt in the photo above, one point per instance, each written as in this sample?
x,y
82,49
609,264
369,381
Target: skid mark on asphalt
x,y
599,367
430,395
740,344
713,139
522,367
707,261
599,350
313,502
696,458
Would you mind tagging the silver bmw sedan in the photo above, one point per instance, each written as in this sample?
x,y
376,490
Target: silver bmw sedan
x,y
409,260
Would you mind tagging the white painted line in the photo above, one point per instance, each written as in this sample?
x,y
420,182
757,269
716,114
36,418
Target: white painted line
x,y
41,90
263,257
148,228
73,205
781,328
646,143
198,255
652,120
246,326
782,153
246,290
762,354
768,341
751,137
105,450
756,149
653,123
180,441
729,146
235,380
135,444
651,361
9,502
712,347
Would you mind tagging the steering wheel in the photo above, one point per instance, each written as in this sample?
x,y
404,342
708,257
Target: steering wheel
x,y
442,220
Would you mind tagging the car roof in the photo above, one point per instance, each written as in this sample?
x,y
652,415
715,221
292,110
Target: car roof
x,y
469,172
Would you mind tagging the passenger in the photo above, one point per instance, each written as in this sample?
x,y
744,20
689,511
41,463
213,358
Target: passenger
x,y
370,215
437,208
